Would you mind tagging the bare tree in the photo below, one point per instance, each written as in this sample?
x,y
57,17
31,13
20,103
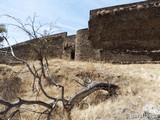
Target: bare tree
x,y
43,73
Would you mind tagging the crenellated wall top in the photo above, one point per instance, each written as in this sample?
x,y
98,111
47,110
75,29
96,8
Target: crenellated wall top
x,y
126,7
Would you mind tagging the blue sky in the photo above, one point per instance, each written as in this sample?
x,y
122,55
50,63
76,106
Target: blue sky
x,y
70,15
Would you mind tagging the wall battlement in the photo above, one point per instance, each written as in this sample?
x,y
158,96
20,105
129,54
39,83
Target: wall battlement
x,y
133,28
113,10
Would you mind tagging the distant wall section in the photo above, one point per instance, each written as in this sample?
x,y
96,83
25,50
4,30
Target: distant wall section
x,y
24,50
69,48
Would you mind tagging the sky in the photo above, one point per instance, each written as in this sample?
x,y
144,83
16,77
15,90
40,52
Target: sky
x,y
68,15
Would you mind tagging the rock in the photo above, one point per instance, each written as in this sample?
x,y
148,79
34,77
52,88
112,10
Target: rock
x,y
151,112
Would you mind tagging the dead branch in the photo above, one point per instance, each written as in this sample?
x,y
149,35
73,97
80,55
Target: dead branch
x,y
34,72
42,89
54,82
80,83
13,114
110,88
50,112
21,102
24,61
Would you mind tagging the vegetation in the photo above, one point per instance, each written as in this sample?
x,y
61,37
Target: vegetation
x,y
2,28
139,86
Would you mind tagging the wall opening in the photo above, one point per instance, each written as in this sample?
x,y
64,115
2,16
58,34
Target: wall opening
x,y
72,54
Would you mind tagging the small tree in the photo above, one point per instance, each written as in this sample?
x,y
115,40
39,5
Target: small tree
x,y
2,31
43,73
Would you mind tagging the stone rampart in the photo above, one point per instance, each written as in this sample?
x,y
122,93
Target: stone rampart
x,y
129,32
24,50
6,57
69,47
127,28
83,46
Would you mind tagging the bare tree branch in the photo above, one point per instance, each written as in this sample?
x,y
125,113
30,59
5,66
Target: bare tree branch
x,y
12,52
79,83
50,112
13,114
41,87
17,104
110,88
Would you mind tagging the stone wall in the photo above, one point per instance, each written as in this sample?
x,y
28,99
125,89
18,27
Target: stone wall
x,y
61,46
129,32
24,50
57,45
69,47
127,29
6,57
83,46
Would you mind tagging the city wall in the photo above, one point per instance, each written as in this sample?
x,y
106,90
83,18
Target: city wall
x,y
126,32
57,48
69,48
129,32
83,45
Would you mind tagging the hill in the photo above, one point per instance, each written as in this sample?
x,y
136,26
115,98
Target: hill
x,y
137,99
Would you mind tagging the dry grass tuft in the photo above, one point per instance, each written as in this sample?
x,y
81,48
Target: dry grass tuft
x,y
10,88
9,83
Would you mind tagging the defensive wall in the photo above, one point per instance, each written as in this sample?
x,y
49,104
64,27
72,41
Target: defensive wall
x,y
129,32
69,47
61,46
83,45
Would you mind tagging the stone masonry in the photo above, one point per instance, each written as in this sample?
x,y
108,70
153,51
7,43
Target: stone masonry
x,y
129,32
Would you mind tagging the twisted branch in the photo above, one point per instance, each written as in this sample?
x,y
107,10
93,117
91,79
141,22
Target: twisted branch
x,y
110,88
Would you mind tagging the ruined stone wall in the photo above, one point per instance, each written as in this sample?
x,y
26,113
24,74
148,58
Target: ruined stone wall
x,y
6,57
57,45
129,32
56,49
24,50
83,46
132,29
69,48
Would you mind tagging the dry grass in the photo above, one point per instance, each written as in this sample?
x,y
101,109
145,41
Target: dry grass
x,y
139,85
